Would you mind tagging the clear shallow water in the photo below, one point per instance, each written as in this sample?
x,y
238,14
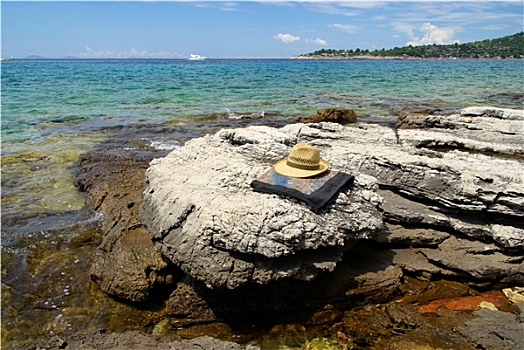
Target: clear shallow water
x,y
54,110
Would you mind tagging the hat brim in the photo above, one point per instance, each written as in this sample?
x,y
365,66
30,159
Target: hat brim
x,y
281,167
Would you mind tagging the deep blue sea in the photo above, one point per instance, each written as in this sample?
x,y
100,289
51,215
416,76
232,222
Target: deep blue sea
x,y
54,110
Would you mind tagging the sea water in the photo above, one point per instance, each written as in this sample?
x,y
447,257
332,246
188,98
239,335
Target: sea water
x,y
54,110
36,94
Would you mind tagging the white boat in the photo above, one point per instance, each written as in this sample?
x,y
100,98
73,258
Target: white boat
x,y
194,57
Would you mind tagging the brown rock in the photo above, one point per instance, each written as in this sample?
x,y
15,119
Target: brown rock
x,y
414,118
468,303
187,307
404,316
432,332
415,290
334,115
126,264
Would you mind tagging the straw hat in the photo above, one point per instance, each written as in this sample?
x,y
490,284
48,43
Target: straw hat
x,y
303,161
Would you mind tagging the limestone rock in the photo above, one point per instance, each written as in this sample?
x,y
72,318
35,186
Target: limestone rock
x,y
203,215
465,183
480,264
452,196
398,209
415,263
413,237
186,306
502,113
500,120
131,268
476,157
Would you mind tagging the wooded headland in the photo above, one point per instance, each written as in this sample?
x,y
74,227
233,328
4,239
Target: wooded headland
x,y
511,46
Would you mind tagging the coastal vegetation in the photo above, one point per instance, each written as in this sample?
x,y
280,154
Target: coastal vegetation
x,y
511,46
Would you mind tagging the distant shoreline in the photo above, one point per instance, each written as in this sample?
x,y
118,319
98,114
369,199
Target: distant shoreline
x,y
356,57
371,57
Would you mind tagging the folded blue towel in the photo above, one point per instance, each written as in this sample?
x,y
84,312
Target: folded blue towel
x,y
317,191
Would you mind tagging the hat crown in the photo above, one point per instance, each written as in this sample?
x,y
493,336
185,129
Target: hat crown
x,y
303,161
304,155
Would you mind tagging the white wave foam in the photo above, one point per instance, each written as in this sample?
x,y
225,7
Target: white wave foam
x,y
164,146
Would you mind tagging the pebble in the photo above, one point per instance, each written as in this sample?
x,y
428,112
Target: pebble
x,y
488,305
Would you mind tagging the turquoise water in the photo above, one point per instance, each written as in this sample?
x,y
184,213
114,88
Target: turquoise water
x,y
54,110
38,94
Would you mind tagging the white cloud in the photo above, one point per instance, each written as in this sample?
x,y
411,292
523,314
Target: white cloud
x,y
286,38
131,53
343,8
493,27
432,35
318,41
349,28
363,4
405,28
220,5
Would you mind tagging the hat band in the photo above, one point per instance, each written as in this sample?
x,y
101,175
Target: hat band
x,y
303,166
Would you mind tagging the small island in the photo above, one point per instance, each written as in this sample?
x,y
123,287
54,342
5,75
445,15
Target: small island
x,y
507,47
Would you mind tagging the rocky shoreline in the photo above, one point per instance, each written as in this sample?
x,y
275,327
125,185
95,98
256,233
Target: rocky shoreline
x,y
436,211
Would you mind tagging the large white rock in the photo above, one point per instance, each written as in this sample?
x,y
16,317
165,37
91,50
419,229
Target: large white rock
x,y
203,215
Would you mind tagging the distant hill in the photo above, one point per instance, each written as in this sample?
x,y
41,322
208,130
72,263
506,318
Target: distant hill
x,y
511,46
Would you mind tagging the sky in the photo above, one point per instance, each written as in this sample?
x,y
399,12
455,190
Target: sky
x,y
243,29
